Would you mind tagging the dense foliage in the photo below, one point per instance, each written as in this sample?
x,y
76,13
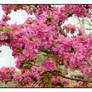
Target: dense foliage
x,y
42,46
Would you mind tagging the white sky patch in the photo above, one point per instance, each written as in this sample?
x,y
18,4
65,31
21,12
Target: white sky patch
x,y
18,17
1,12
6,58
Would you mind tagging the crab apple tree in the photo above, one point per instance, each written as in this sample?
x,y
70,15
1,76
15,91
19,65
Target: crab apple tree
x,y
43,47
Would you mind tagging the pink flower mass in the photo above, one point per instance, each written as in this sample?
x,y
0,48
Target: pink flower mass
x,y
45,34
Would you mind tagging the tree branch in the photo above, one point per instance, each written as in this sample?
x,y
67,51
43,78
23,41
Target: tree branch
x,y
51,52
46,50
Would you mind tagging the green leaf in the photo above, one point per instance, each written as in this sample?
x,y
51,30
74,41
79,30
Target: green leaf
x,y
41,57
6,29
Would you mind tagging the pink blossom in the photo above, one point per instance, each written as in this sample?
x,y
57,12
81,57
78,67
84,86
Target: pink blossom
x,y
49,65
65,81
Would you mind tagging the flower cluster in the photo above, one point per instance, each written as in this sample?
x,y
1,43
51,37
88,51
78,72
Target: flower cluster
x,y
49,65
44,33
6,74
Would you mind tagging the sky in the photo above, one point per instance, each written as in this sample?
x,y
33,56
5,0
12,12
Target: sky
x,y
19,17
